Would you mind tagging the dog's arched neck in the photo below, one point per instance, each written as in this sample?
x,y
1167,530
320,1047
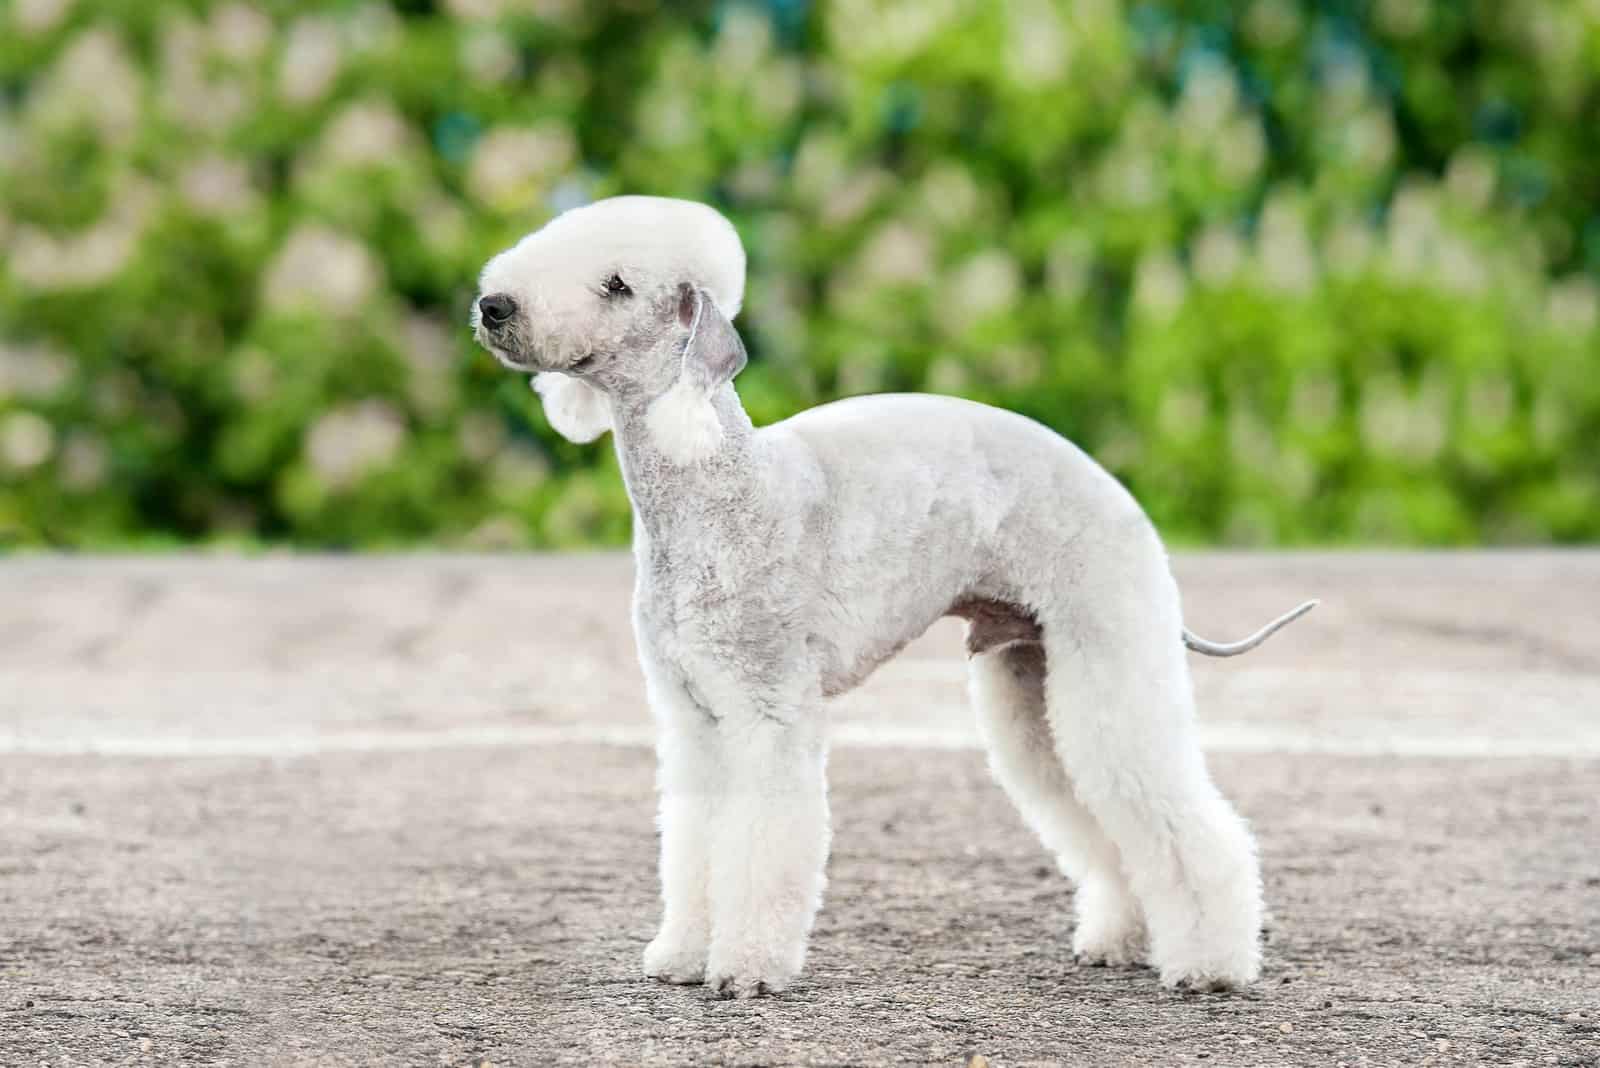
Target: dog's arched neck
x,y
665,489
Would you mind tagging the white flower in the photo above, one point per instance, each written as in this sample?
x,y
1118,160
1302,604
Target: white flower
x,y
548,10
1159,284
1068,265
475,9
348,443
1272,23
740,51
1209,97
368,132
1016,366
1490,401
1314,401
216,185
495,534
10,153
1397,424
96,79
555,10
782,90
427,349
489,57
33,372
1574,304
898,252
1250,442
864,372
1185,410
183,90
1458,265
324,269
26,440
886,30
511,166
1413,230
855,196
517,471
311,60
42,261
1403,18
668,117
240,31
1038,49
255,376
1218,254
1369,139
37,16
480,436
982,286
1130,177
372,26
753,179
819,166
1288,261
948,375
949,195
1470,177
1348,246
441,221
1240,149
1345,82
84,462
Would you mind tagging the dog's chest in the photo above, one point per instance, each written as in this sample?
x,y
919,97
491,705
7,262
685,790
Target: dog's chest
x,y
709,617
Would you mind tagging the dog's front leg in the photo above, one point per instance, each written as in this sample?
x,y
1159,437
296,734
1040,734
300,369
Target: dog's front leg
x,y
688,774
768,850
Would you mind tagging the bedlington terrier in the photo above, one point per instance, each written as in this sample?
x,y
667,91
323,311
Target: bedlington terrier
x,y
778,566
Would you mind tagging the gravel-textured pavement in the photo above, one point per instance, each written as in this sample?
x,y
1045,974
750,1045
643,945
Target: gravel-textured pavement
x,y
398,811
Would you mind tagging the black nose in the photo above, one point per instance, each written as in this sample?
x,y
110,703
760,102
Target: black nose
x,y
496,308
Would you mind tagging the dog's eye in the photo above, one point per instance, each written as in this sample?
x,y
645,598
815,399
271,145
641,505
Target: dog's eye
x,y
617,287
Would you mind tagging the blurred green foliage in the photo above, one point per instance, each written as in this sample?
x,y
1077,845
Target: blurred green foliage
x,y
1297,272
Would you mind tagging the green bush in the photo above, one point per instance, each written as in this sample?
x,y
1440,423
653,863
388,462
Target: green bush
x,y
1297,273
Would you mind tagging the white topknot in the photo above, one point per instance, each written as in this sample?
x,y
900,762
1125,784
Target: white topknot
x,y
694,239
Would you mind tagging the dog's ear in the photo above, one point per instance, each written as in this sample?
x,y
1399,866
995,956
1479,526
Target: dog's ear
x,y
714,352
577,410
682,420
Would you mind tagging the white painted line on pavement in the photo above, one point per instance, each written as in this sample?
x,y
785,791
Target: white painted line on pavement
x,y
1217,738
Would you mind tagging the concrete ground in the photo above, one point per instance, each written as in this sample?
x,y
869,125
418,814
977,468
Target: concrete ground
x,y
398,811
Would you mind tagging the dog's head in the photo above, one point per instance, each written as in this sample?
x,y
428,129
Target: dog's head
x,y
627,300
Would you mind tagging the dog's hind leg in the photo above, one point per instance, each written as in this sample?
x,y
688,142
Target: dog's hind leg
x,y
1007,686
1121,707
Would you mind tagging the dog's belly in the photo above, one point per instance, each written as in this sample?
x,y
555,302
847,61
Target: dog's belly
x,y
990,623
843,675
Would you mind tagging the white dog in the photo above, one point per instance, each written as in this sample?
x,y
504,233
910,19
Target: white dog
x,y
779,566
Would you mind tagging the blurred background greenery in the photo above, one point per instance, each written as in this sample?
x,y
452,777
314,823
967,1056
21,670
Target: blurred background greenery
x,y
1296,272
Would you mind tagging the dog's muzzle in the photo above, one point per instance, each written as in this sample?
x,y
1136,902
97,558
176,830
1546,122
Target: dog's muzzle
x,y
496,310
496,313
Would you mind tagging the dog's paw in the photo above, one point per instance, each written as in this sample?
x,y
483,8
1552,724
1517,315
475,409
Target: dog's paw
x,y
1109,946
1220,969
1112,955
1201,984
745,986
753,974
670,961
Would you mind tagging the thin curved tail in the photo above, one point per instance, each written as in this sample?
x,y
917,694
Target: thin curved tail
x,y
1244,645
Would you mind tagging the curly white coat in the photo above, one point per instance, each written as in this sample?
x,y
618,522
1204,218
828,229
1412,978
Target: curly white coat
x,y
779,566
